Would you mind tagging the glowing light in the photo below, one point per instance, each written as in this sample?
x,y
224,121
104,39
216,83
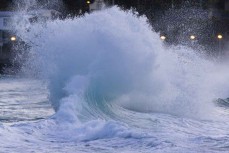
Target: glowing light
x,y
192,37
88,2
13,38
220,36
163,37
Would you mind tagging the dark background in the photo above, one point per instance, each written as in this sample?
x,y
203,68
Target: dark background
x,y
73,6
177,19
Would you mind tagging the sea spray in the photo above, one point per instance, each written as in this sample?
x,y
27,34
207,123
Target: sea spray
x,y
113,57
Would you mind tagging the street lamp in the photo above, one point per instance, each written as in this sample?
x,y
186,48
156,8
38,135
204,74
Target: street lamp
x,y
88,2
192,37
13,38
163,37
220,37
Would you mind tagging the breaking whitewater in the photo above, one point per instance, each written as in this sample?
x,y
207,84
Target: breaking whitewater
x,y
104,82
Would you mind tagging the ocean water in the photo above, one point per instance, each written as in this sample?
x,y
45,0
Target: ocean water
x,y
105,82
